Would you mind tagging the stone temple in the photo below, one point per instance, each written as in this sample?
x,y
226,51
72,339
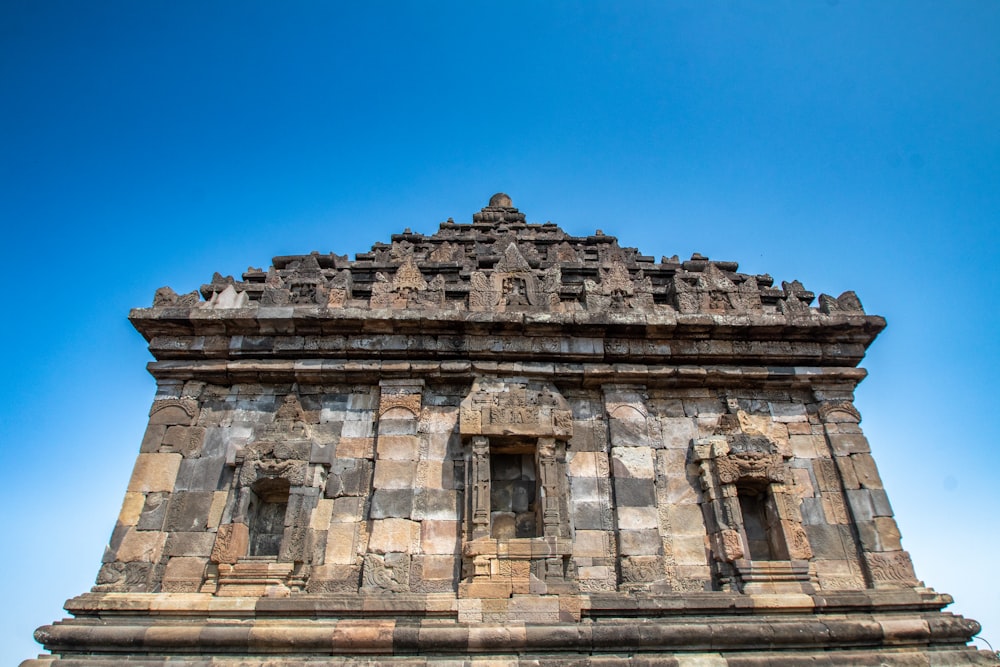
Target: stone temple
x,y
505,445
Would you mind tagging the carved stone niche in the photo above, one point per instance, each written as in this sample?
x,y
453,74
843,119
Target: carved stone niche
x,y
263,550
755,528
515,434
512,286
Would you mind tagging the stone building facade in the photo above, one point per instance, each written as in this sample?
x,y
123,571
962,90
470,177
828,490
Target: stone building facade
x,y
502,444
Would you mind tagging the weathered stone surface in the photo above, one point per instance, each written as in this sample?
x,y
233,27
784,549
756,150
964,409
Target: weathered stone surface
x,y
504,444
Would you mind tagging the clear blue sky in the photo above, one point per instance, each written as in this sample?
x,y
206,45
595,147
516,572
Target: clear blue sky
x,y
849,145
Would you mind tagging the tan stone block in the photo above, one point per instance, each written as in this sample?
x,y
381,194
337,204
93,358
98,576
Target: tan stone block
x,y
594,572
321,514
593,543
438,420
634,462
131,508
637,518
686,519
485,589
363,636
802,485
799,428
440,537
341,544
690,550
218,506
804,446
438,567
183,574
398,447
394,474
640,542
349,509
436,475
437,445
154,472
583,464
888,533
390,535
355,448
866,471
141,545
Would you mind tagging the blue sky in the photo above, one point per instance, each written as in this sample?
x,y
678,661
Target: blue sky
x,y
849,145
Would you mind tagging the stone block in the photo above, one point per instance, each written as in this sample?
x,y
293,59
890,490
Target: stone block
x,y
588,516
437,504
201,474
639,542
437,567
805,446
394,535
888,532
173,412
788,412
703,407
394,474
687,519
880,503
356,448
390,427
861,505
845,444
357,429
812,511
690,549
638,518
392,503
152,438
632,462
185,440
341,544
829,542
154,512
582,464
584,489
440,537
215,512
141,545
183,574
866,471
629,432
322,515
131,508
398,447
188,511
154,472
348,477
348,509
631,492
592,543
677,432
189,544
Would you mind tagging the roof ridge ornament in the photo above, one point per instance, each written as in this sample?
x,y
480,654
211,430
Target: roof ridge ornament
x,y
500,209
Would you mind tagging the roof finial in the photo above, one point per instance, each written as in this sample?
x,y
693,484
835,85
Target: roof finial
x,y
500,200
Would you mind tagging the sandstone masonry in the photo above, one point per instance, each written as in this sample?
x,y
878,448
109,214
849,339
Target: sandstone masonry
x,y
502,444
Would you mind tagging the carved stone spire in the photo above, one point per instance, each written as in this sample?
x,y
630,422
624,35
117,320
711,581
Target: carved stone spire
x,y
500,209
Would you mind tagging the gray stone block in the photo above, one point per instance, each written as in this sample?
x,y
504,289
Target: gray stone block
x,y
829,542
392,503
154,512
812,512
634,492
588,515
188,511
438,504
189,544
201,474
348,477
